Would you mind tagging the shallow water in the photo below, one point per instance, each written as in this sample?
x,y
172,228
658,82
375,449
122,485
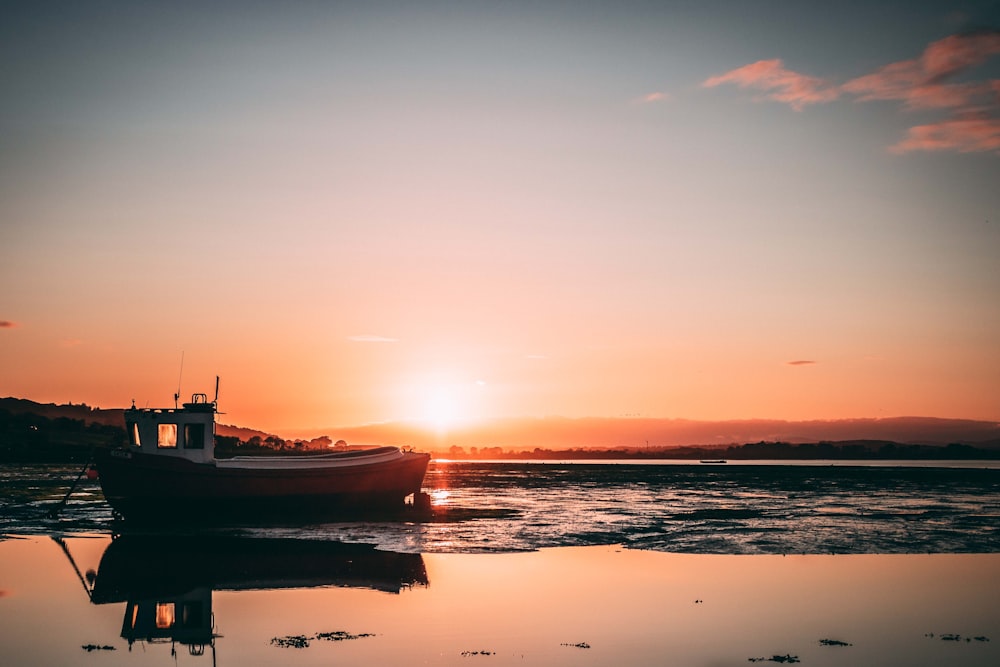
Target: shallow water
x,y
253,601
717,509
480,580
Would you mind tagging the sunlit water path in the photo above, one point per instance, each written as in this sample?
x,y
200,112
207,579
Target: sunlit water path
x,y
718,509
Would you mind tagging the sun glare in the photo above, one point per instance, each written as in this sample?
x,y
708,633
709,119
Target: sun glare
x,y
441,401
441,408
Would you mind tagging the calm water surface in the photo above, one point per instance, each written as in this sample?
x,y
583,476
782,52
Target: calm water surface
x,y
527,563
252,601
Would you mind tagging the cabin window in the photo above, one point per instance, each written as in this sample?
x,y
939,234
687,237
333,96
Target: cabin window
x,y
166,435
135,435
191,615
164,615
194,436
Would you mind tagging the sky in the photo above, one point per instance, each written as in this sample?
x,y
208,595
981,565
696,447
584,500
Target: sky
x,y
368,212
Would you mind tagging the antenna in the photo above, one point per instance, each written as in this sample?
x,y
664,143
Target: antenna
x,y
216,401
179,376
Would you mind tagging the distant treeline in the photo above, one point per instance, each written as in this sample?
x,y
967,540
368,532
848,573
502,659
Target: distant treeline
x,y
852,450
233,446
31,438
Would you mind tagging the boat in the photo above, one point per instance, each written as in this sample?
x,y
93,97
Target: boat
x,y
713,461
169,471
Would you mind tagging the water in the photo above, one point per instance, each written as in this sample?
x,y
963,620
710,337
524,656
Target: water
x,y
649,568
757,508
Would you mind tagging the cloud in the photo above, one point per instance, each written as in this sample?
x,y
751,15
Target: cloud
x,y
780,84
923,83
957,53
70,342
801,362
7,324
965,135
369,338
651,98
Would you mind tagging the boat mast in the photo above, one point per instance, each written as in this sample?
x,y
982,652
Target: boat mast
x,y
180,375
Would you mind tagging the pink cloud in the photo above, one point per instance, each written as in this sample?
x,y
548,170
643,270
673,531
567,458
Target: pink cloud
x,y
780,84
7,324
656,96
957,53
801,362
965,135
924,82
919,83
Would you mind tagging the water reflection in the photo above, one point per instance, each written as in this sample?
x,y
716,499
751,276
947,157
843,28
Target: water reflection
x,y
167,581
183,619
267,602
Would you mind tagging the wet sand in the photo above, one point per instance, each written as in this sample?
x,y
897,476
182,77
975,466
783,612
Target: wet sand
x,y
566,606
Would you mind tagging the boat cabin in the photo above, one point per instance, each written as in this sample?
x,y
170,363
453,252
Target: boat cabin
x,y
187,432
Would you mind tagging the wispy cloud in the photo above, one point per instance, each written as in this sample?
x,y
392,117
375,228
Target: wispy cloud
x,y
922,83
70,342
964,135
801,362
652,98
925,82
369,338
778,83
7,324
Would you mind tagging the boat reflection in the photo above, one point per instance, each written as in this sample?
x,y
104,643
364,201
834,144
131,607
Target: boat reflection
x,y
167,581
185,619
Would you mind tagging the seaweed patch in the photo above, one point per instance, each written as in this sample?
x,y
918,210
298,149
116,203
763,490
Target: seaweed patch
x,y
301,641
834,642
955,637
291,641
340,635
777,658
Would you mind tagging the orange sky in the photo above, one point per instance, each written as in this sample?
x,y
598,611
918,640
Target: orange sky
x,y
367,215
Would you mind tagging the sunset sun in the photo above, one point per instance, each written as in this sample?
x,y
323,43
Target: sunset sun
x,y
442,407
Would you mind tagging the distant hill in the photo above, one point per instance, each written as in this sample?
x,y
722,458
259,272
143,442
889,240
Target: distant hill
x,y
565,433
109,417
82,411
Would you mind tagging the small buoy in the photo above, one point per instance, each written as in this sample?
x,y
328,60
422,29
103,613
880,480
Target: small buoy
x,y
91,473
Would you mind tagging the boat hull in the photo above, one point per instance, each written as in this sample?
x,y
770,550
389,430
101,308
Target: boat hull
x,y
142,486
